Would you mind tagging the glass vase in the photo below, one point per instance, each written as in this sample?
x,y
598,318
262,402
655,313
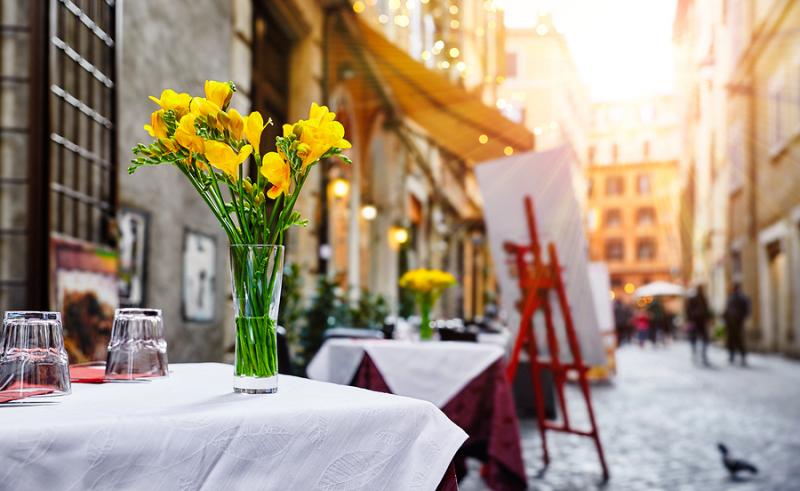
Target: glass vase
x,y
256,275
425,329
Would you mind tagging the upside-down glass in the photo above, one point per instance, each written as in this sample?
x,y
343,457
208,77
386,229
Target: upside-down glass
x,y
32,354
137,347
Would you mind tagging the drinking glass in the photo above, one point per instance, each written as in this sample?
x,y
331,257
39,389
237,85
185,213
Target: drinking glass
x,y
137,347
32,355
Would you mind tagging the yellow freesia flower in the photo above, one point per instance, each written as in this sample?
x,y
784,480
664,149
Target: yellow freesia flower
x,y
320,132
234,124
157,127
172,100
253,126
427,280
219,93
224,158
277,172
186,134
204,107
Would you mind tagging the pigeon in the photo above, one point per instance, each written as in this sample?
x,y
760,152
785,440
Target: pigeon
x,y
735,466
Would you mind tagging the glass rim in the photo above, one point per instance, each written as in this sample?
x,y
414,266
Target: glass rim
x,y
147,312
40,315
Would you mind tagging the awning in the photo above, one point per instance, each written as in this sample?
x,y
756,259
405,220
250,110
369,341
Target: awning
x,y
453,117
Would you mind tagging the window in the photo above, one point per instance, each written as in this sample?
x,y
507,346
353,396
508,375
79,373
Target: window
x,y
645,249
777,124
511,65
615,250
613,218
615,185
643,184
645,217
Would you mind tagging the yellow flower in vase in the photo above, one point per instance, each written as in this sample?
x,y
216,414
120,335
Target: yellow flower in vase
x,y
157,127
219,93
224,158
186,134
253,127
234,123
277,172
171,100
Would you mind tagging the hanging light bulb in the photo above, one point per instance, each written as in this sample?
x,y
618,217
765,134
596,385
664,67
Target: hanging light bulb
x,y
369,212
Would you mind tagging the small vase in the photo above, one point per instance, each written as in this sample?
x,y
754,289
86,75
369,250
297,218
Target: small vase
x,y
425,330
256,275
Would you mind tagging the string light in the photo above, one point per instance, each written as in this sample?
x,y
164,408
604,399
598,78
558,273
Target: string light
x,y
629,288
426,55
340,187
383,18
445,64
394,4
508,151
454,24
483,139
438,45
461,66
454,52
454,9
358,7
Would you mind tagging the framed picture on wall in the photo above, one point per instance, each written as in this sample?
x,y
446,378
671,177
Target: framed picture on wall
x,y
133,227
198,293
83,282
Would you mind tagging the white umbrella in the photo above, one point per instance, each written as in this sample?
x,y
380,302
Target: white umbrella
x,y
660,289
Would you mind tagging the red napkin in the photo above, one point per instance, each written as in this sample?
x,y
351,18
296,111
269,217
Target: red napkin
x,y
96,374
9,395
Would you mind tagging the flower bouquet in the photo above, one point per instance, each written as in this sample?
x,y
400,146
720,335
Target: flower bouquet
x,y
427,286
210,143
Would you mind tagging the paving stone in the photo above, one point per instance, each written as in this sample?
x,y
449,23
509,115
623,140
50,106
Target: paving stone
x,y
660,420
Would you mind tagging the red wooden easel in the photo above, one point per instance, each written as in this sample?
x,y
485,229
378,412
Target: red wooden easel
x,y
537,279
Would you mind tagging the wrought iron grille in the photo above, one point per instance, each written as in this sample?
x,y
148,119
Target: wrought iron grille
x,y
57,115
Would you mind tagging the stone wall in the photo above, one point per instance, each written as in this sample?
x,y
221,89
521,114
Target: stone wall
x,y
176,44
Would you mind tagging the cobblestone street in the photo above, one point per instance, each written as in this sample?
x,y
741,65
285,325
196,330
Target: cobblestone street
x,y
661,418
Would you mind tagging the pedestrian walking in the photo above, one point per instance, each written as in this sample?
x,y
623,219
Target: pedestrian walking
x,y
641,321
737,308
699,314
658,321
622,321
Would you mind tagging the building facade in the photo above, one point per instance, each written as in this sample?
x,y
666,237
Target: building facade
x,y
632,199
543,90
740,67
409,199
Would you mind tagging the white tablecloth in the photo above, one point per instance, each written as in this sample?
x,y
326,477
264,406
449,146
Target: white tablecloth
x,y
433,371
191,431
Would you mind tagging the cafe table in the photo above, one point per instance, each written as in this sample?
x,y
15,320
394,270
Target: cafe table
x,y
465,380
191,431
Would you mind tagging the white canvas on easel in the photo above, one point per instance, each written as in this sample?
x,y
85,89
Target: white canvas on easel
x,y
547,177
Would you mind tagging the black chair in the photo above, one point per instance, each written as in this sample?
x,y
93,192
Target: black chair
x,y
448,334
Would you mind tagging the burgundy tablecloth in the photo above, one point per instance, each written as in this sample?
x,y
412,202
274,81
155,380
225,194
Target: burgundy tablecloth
x,y
485,410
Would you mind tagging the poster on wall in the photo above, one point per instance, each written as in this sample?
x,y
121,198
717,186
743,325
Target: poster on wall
x,y
132,247
199,277
83,287
548,178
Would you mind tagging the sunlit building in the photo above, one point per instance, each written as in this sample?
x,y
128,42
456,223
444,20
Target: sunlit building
x,y
632,199
543,89
739,68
